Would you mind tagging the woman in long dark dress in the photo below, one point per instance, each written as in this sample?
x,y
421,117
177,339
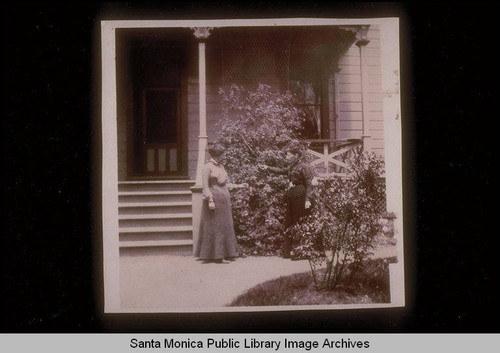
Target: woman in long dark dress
x,y
301,176
217,241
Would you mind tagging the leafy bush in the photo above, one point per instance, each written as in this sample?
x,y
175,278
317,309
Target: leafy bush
x,y
343,225
371,286
258,126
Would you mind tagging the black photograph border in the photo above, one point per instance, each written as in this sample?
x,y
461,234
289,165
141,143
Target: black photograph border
x,y
51,257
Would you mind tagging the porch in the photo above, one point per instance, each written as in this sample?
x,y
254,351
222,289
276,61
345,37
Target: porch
x,y
156,216
168,108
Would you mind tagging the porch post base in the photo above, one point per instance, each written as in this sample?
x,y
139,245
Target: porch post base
x,y
197,205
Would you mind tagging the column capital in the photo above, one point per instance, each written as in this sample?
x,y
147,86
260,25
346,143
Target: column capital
x,y
202,33
361,35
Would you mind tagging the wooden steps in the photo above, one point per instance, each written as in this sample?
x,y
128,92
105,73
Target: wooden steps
x,y
155,216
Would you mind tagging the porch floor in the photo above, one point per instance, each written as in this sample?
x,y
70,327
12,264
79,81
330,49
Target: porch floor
x,y
163,283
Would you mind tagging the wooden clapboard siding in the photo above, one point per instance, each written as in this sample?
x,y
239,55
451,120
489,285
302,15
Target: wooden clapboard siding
x,y
377,135
352,51
375,116
349,93
343,78
122,146
354,87
349,115
372,52
375,96
350,97
193,126
375,87
374,32
351,61
331,107
349,107
351,70
351,125
378,126
377,145
375,107
350,134
374,61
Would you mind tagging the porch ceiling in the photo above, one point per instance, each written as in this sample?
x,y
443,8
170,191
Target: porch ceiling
x,y
306,53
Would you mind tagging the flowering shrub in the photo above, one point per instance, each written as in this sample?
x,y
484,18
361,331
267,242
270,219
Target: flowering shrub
x,y
342,227
258,127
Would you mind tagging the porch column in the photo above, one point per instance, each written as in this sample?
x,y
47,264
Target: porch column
x,y
201,34
362,43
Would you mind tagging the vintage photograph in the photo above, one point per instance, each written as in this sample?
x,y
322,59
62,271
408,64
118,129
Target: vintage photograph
x,y
251,165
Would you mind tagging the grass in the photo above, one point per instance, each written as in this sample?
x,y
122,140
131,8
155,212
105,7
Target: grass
x,y
370,285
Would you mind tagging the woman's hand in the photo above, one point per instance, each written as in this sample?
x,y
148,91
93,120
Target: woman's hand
x,y
237,186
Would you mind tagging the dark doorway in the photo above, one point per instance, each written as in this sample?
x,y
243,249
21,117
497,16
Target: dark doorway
x,y
151,85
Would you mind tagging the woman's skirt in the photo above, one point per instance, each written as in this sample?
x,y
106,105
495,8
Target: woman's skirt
x,y
295,210
217,239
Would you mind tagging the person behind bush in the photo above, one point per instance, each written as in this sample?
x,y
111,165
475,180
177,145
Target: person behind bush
x,y
298,196
217,240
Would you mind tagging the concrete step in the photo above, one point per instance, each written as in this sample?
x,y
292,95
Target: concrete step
x,y
155,185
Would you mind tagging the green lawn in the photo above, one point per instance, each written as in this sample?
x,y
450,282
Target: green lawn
x,y
371,285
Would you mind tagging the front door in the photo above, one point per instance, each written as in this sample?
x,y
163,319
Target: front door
x,y
160,145
155,84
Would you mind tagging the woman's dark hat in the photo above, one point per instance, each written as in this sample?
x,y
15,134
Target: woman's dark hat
x,y
215,149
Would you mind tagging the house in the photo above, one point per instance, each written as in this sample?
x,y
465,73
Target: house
x,y
160,104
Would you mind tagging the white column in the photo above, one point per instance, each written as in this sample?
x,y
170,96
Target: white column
x,y
361,43
202,138
201,34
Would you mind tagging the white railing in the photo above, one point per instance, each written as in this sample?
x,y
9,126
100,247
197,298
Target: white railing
x,y
333,159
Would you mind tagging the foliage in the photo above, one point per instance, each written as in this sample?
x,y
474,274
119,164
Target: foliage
x,y
344,222
370,286
258,127
388,230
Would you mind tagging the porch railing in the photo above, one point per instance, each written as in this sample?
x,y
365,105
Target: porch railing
x,y
329,157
